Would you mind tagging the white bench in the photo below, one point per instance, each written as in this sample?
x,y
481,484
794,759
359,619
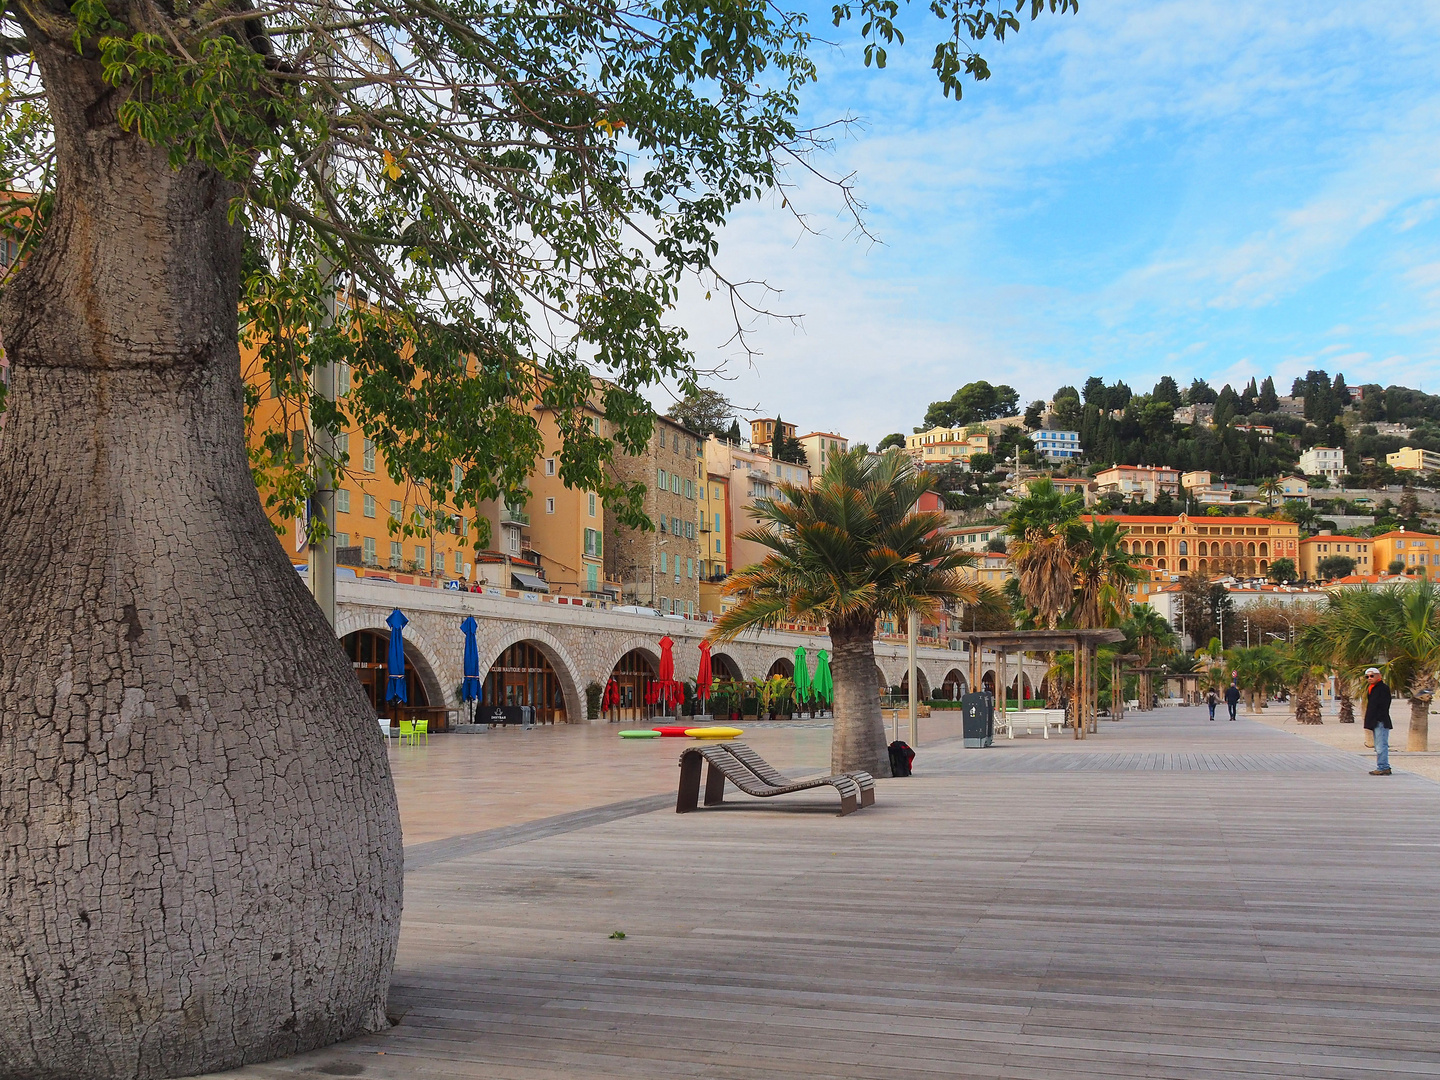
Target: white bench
x,y
1028,720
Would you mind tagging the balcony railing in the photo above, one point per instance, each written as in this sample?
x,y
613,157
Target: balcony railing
x,y
511,516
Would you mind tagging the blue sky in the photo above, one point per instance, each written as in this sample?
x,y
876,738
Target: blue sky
x,y
1150,187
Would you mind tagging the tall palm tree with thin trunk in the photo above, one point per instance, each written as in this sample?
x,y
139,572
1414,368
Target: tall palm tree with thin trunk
x,y
1398,630
846,552
1045,524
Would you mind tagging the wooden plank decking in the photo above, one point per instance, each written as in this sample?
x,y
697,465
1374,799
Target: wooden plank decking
x,y
1170,898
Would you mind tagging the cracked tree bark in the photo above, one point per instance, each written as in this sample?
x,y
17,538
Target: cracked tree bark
x,y
201,862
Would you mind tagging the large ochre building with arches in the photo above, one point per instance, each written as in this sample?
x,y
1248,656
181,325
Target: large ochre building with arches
x,y
1171,547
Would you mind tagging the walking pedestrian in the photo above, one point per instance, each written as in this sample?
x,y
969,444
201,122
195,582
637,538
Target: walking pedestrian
x,y
1377,719
1232,695
1212,699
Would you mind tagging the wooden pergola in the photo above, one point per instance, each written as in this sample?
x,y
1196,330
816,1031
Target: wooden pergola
x,y
1084,644
1119,668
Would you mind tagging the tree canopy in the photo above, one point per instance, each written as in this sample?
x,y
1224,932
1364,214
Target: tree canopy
x,y
973,402
505,197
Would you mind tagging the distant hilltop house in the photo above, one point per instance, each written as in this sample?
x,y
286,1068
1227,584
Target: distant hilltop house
x,y
1066,485
1189,414
1413,459
1402,431
1265,431
946,446
1326,461
1057,445
1144,483
1199,486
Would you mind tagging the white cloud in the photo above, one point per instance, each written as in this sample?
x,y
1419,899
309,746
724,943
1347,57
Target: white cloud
x,y
1024,242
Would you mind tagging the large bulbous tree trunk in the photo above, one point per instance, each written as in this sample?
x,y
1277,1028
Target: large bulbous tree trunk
x,y
858,738
201,863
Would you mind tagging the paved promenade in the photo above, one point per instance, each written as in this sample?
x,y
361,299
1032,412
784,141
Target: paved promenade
x,y
1169,898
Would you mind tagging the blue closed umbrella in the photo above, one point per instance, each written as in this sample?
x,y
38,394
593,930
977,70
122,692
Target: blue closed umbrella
x,y
471,689
395,684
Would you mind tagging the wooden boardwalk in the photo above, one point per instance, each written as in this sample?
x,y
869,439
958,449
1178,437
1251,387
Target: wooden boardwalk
x,y
1169,898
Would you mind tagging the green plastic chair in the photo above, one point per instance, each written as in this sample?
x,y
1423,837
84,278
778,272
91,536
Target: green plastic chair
x,y
422,727
407,731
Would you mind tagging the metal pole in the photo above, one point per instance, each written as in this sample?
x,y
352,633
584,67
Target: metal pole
x,y
322,553
914,681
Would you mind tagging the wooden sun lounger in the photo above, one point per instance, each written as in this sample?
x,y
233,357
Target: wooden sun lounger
x,y
724,765
773,776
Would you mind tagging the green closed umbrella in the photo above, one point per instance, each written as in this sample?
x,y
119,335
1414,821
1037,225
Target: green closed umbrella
x,y
802,676
823,685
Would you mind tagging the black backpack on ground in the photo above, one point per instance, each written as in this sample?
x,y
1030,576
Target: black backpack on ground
x,y
901,758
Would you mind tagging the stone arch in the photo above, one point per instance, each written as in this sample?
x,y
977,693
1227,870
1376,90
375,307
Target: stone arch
x,y
1160,547
987,680
954,685
421,650
921,680
630,643
556,655
781,665
1264,565
1184,564
1264,548
724,666
1250,549
1024,687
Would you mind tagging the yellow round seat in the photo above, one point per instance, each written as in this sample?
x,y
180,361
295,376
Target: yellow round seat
x,y
713,732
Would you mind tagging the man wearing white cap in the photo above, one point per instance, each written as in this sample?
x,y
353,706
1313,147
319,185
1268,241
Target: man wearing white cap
x,y
1377,719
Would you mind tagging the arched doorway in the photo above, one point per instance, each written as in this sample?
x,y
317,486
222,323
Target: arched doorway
x,y
953,688
784,667
920,680
369,651
632,676
987,681
723,666
522,675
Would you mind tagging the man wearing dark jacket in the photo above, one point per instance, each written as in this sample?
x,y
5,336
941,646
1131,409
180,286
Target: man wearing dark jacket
x,y
1232,695
1377,719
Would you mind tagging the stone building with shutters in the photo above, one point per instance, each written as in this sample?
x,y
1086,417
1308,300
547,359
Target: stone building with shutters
x,y
661,568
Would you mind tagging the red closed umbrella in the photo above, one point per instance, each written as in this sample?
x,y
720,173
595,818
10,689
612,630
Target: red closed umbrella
x,y
612,695
703,679
667,659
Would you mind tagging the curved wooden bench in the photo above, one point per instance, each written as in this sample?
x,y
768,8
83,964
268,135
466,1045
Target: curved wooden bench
x,y
773,776
725,765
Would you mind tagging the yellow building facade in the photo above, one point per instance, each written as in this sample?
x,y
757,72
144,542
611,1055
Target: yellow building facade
x,y
1419,552
1170,547
553,542
1316,549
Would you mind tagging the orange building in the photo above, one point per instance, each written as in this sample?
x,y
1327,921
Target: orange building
x,y
1170,547
552,543
1417,551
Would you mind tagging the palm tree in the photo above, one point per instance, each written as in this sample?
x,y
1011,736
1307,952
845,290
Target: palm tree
x,y
1271,488
1398,630
1046,526
1103,574
846,552
1258,670
1146,633
1302,666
